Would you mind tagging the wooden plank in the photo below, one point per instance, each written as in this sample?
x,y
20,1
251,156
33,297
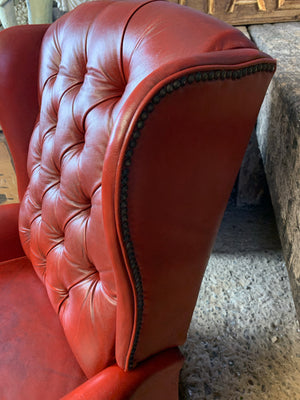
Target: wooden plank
x,y
247,12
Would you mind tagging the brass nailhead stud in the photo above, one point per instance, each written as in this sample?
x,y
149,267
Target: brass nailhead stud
x,y
183,81
176,84
156,99
198,77
150,107
191,78
140,124
169,88
136,134
162,92
144,116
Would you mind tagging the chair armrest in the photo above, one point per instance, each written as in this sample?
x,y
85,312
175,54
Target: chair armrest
x,y
10,245
155,378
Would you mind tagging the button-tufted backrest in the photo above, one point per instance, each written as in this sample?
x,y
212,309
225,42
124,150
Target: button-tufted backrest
x,y
95,219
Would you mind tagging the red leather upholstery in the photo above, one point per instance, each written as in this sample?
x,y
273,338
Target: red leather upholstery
x,y
19,48
35,356
145,110
10,245
18,111
156,378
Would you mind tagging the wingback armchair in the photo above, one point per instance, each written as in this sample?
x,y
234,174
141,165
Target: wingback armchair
x,y
132,117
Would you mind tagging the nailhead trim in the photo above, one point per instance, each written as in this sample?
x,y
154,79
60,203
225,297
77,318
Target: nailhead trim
x,y
194,78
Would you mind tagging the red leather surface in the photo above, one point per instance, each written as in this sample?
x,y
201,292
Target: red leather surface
x,y
156,378
149,61
36,361
19,49
10,245
181,175
100,66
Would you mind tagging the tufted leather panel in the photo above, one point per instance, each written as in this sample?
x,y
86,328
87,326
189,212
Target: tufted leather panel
x,y
61,215
100,67
61,221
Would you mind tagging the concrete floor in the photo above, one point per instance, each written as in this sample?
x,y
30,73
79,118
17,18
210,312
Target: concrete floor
x,y
244,339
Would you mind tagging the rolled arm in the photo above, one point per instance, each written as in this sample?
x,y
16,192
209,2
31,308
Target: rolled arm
x,y
156,378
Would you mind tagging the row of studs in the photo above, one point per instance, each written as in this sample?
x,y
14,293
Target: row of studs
x,y
165,90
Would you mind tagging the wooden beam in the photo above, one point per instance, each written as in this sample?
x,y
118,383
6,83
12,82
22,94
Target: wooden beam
x,y
247,12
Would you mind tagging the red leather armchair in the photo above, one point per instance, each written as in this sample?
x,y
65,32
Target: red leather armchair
x,y
138,114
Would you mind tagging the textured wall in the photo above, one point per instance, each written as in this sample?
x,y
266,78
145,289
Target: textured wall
x,y
278,133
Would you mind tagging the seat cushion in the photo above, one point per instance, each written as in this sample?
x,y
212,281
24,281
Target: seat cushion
x,y
36,361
